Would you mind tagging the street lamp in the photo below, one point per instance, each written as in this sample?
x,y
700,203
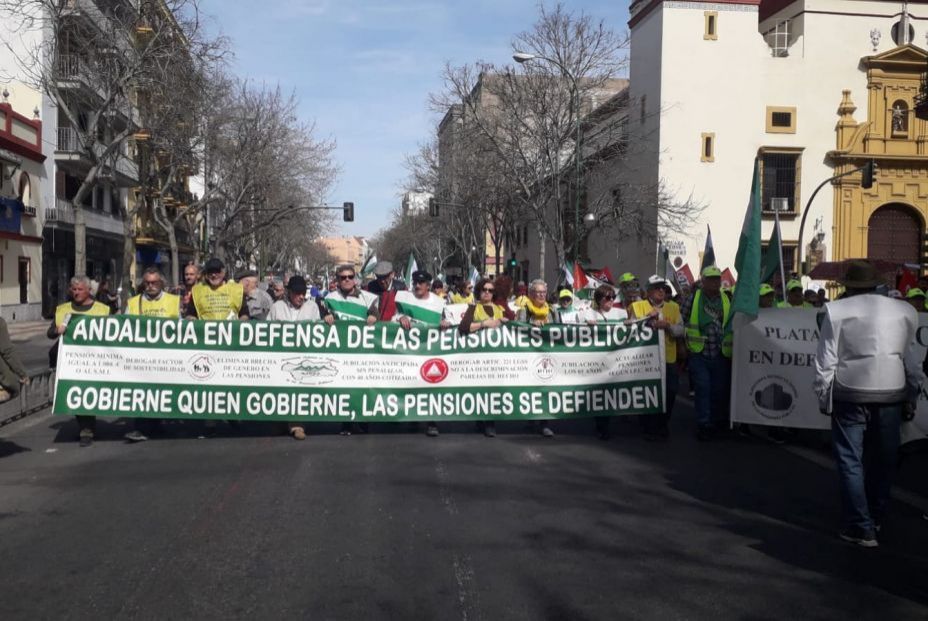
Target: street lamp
x,y
522,57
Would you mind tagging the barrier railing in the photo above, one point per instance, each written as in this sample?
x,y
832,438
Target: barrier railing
x,y
34,397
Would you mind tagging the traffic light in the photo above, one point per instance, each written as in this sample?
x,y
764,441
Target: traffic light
x,y
433,207
513,263
869,173
348,212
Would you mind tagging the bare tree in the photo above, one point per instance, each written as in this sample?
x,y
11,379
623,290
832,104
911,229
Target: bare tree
x,y
93,60
527,117
265,171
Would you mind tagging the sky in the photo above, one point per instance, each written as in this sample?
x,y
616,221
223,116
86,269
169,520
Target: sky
x,y
363,71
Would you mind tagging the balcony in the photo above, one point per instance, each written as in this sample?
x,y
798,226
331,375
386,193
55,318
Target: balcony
x,y
63,213
75,73
71,155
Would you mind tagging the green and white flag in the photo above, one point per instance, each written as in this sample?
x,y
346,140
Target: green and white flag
x,y
426,312
411,267
368,267
474,276
349,308
747,260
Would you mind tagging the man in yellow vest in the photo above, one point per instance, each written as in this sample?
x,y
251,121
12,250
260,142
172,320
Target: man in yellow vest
x,y
154,301
794,298
706,314
661,314
82,303
215,298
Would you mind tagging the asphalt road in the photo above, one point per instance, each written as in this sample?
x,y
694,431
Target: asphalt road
x,y
394,525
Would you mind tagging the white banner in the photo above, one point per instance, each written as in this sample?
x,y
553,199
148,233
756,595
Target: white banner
x,y
774,365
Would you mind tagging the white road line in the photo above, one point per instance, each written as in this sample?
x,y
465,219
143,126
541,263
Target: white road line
x,y
532,456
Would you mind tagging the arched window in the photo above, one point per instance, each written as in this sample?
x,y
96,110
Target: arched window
x,y
25,189
900,118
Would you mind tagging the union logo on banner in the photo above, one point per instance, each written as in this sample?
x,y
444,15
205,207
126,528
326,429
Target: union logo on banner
x,y
434,370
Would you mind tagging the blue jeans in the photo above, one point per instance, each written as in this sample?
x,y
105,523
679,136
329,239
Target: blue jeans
x,y
865,439
711,378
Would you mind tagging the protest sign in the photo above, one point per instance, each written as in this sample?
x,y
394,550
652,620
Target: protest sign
x,y
145,367
773,367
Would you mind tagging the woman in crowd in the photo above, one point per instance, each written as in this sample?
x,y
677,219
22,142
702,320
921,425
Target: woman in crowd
x,y
536,311
604,310
501,297
484,315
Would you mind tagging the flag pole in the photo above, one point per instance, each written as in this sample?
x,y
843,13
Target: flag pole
x,y
776,219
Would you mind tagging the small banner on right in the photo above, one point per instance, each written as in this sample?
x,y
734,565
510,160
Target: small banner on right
x,y
773,367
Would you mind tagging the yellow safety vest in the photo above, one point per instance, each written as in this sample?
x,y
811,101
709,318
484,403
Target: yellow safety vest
x,y
480,314
457,298
168,305
671,313
695,341
218,303
99,309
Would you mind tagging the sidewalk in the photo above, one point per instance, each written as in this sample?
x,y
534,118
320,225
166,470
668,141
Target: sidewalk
x,y
25,330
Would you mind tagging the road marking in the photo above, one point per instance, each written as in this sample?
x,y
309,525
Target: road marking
x,y
464,577
52,450
532,456
443,492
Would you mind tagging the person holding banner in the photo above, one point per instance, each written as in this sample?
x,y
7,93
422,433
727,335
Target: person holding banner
x,y
82,303
484,315
536,311
605,310
706,314
868,382
154,301
661,314
215,298
423,308
348,302
295,307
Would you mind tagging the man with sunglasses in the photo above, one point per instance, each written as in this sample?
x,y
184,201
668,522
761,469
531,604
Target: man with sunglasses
x,y
215,298
421,307
349,302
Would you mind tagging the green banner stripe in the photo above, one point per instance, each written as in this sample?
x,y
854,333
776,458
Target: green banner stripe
x,y
348,337
346,310
418,313
362,404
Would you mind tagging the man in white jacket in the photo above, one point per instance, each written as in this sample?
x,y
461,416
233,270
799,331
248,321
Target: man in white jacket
x,y
867,380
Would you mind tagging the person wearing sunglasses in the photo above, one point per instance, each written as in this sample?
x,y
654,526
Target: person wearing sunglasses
x,y
604,311
421,307
463,292
661,314
485,314
349,302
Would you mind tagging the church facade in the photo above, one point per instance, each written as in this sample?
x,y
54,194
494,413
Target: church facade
x,y
807,89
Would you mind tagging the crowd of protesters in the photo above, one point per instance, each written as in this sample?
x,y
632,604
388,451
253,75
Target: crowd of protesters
x,y
867,388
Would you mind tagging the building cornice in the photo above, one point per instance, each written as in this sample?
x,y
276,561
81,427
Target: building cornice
x,y
642,8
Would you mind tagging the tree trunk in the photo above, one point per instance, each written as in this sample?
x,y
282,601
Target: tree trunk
x,y
129,274
80,241
541,252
